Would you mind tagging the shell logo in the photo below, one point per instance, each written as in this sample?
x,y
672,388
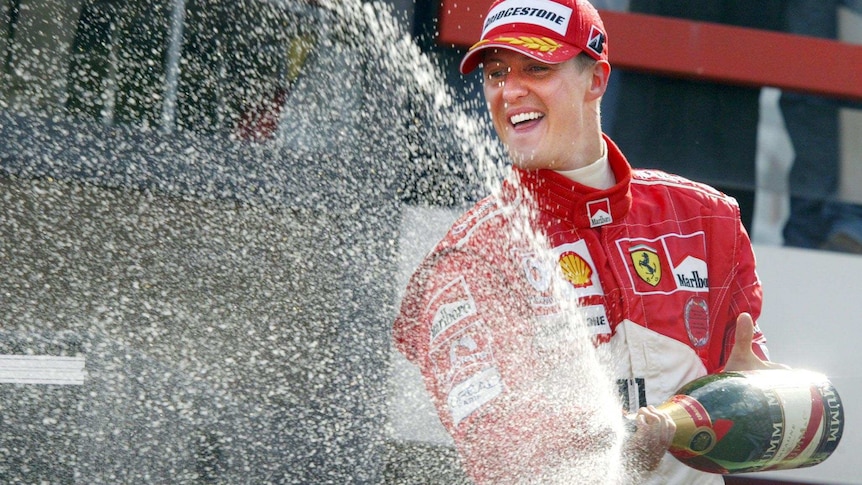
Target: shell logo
x,y
576,270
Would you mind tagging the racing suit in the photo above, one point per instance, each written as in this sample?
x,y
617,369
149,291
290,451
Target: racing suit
x,y
654,269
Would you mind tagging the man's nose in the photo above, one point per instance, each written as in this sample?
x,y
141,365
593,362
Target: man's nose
x,y
513,87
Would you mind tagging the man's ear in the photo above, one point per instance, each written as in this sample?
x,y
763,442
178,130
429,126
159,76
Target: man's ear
x,y
601,72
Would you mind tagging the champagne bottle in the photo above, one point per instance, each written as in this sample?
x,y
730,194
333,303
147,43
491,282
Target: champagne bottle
x,y
736,422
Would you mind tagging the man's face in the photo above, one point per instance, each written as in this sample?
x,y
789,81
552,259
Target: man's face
x,y
538,109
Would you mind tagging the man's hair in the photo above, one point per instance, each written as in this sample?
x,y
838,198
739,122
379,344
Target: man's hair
x,y
584,61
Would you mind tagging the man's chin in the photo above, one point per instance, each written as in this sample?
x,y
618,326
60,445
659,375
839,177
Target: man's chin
x,y
522,158
528,161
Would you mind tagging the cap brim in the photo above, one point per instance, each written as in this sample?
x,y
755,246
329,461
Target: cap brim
x,y
526,44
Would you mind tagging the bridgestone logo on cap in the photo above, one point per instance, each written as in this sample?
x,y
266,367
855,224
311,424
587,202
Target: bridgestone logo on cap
x,y
597,40
543,13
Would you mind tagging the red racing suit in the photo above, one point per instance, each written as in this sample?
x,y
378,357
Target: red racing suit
x,y
657,268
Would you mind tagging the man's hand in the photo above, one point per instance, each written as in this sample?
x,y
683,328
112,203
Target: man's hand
x,y
652,437
742,357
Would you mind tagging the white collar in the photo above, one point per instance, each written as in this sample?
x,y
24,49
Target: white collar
x,y
597,175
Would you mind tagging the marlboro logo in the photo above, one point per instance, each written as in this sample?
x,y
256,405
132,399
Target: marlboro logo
x,y
667,264
600,212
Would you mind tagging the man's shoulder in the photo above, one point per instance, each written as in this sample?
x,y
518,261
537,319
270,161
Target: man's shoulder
x,y
683,194
477,232
484,217
674,183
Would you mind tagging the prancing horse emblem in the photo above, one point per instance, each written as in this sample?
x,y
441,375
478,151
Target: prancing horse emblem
x,y
647,264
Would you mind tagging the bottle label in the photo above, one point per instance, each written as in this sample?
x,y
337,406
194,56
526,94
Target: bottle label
x,y
811,428
772,422
696,433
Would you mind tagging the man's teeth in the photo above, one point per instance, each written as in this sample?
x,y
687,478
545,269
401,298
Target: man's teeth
x,y
520,118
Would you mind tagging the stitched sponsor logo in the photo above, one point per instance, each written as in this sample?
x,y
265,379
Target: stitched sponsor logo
x,y
542,13
469,395
462,354
646,263
632,392
596,319
466,371
450,306
475,217
692,274
682,257
697,321
596,42
536,272
562,328
539,274
600,212
577,268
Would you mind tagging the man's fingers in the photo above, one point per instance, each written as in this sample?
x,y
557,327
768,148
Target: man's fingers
x,y
742,357
744,331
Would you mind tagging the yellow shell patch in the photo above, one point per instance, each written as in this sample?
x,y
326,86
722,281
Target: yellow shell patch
x,y
576,271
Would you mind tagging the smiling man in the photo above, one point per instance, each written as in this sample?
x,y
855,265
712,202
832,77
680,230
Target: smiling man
x,y
580,289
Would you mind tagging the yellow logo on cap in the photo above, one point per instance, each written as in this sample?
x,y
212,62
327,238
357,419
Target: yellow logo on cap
x,y
542,44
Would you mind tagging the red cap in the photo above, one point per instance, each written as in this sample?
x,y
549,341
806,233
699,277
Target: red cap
x,y
551,31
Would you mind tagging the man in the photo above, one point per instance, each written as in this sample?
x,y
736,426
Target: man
x,y
654,272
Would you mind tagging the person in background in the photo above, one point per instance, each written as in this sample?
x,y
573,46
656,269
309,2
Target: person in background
x,y
697,129
579,275
817,218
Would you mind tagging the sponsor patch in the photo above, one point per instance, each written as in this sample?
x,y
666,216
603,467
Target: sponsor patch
x,y
554,330
697,321
632,393
550,331
475,217
536,271
596,319
596,43
539,273
469,395
666,264
463,354
646,263
543,13
600,212
466,371
577,268
450,306
691,274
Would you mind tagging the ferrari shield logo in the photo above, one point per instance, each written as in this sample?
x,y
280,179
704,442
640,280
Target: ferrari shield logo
x,y
646,263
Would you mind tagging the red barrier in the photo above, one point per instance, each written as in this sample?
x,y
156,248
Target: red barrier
x,y
699,50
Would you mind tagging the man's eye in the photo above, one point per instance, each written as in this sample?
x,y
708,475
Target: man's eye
x,y
496,74
538,69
